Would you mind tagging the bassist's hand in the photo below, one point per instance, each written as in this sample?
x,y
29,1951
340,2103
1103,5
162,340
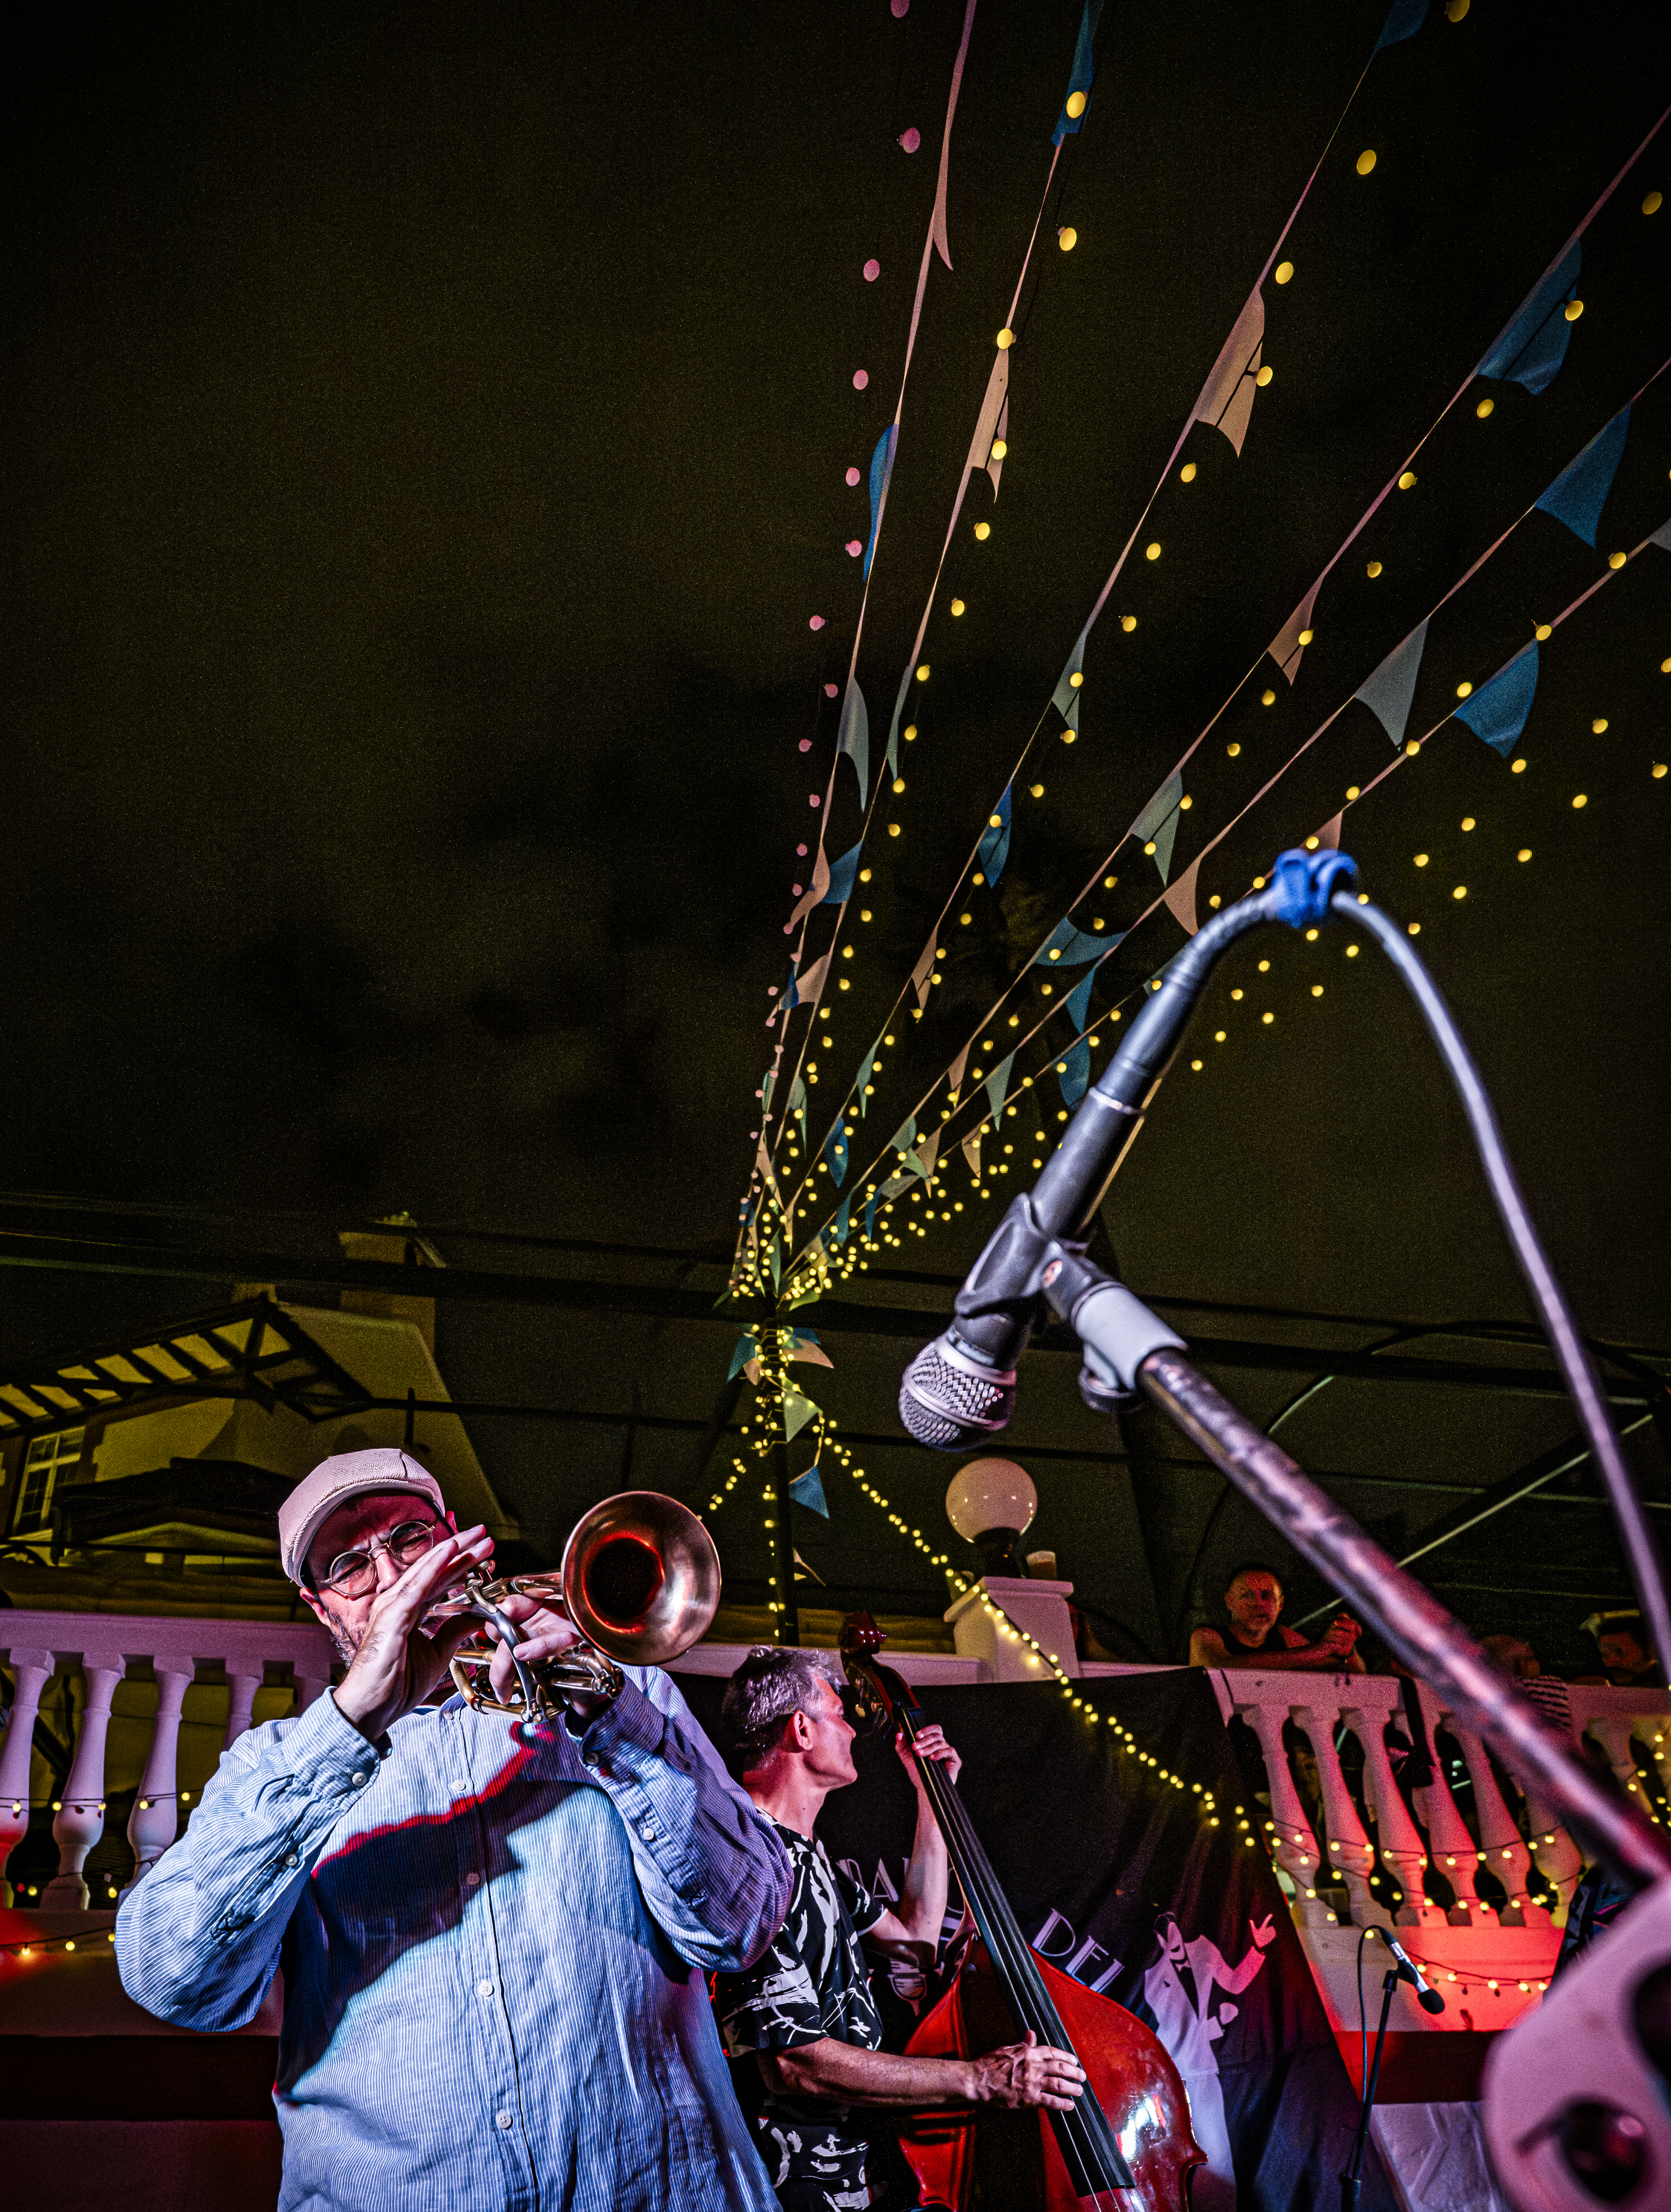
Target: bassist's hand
x,y
1029,2073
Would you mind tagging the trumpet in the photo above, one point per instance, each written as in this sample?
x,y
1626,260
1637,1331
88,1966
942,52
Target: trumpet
x,y
640,1578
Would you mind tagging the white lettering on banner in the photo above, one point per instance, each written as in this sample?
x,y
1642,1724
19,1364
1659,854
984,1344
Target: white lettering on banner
x,y
1042,1940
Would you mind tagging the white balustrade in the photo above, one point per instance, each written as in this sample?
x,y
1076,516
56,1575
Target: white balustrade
x,y
1347,1848
101,1647
34,1670
1454,1852
1292,1844
1501,1846
1375,1700
155,1821
79,1819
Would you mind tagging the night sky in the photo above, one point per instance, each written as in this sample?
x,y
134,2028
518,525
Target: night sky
x,y
426,444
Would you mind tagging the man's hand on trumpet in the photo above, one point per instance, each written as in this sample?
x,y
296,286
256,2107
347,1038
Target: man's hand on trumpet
x,y
546,1633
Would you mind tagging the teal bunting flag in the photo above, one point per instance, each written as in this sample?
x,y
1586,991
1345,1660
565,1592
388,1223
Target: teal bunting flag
x,y
995,840
842,874
870,1215
1496,712
1580,492
1073,1072
842,1221
1533,348
836,1151
798,1109
998,1086
1079,79
882,467
746,1349
864,1074
1405,19
1068,947
808,1490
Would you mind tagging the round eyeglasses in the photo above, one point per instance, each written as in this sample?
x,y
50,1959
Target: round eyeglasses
x,y
354,1574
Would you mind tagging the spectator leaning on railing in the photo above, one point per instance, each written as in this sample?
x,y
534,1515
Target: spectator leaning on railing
x,y
1254,1635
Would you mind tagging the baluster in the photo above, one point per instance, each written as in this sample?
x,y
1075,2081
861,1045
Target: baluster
x,y
155,1821
1348,1849
1401,1852
1294,1844
33,1670
1613,1731
1454,1849
1501,1844
81,1820
241,1703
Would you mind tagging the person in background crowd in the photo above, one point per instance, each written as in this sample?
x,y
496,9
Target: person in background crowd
x,y
1254,1635
1627,1658
1515,1657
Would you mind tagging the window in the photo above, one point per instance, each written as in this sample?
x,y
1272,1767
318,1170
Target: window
x,y
46,1455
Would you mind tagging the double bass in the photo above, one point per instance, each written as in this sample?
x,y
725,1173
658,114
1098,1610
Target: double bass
x,y
1126,2146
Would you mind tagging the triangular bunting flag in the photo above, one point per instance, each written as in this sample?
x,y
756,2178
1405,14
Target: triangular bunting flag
x,y
1286,647
1579,493
836,1151
798,1410
808,1490
840,878
842,1221
995,461
1080,81
882,467
854,736
1180,899
1535,344
972,1154
992,409
955,1075
1407,18
815,894
998,1086
1496,712
745,1350
995,840
1328,837
1226,400
922,972
863,1087
1388,692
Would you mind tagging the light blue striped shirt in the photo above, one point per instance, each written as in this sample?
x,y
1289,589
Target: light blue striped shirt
x,y
494,1951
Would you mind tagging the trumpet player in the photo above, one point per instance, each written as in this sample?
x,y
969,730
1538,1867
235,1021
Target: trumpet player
x,y
494,1935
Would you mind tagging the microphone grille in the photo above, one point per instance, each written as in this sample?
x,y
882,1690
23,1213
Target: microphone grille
x,y
948,1406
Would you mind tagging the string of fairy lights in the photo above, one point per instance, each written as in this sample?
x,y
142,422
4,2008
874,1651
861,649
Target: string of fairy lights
x,y
760,1234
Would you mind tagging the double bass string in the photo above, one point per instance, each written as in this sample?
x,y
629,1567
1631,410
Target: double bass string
x,y
1092,2138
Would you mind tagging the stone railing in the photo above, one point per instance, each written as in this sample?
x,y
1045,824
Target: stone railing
x,y
1499,1954
128,1724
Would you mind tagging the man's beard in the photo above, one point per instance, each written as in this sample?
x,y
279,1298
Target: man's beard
x,y
347,1640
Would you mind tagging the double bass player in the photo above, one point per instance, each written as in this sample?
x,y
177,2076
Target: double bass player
x,y
804,2011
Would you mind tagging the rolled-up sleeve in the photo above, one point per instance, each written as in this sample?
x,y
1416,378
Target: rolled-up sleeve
x,y
714,1874
197,1941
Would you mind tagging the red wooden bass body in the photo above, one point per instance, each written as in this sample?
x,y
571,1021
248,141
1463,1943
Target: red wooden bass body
x,y
1126,2146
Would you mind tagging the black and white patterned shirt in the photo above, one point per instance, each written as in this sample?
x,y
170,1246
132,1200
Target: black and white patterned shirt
x,y
812,1983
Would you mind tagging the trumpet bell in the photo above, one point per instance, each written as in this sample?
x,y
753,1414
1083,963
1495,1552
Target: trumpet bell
x,y
640,1578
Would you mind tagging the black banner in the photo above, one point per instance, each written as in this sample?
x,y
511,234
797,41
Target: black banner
x,y
1119,1879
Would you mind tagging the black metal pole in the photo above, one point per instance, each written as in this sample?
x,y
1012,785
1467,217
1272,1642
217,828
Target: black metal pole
x,y
1351,2179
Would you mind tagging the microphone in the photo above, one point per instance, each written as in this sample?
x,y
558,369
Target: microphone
x,y
1426,1996
960,1390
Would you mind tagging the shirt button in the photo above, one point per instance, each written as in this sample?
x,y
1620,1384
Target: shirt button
x,y
502,2120
358,1780
484,1989
473,1878
289,1859
648,1832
